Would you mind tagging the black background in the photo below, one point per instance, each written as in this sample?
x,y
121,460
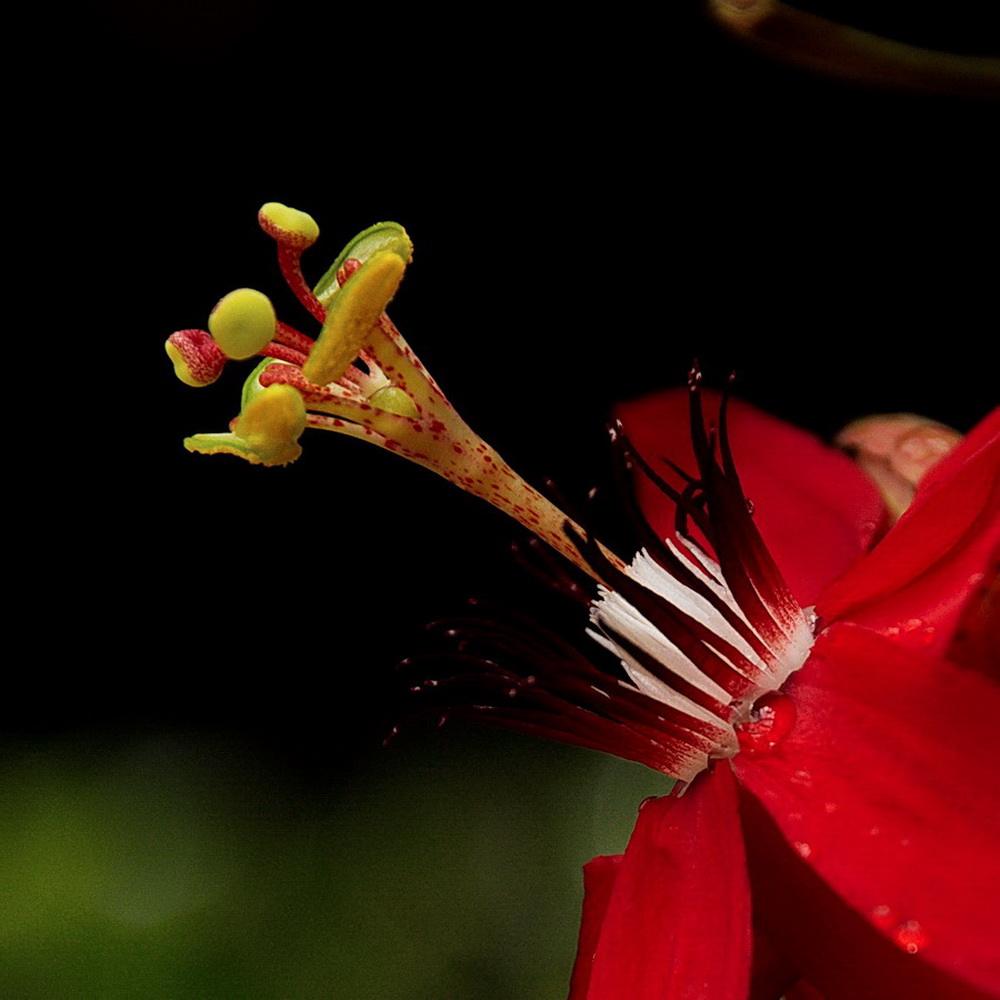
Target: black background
x,y
593,201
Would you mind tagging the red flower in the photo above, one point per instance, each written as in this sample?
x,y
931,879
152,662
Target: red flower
x,y
853,843
840,821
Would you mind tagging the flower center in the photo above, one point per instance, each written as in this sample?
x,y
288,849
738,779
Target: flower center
x,y
771,720
700,645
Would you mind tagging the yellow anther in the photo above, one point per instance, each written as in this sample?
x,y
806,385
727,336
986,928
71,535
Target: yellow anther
x,y
267,432
288,225
353,311
394,400
242,323
272,424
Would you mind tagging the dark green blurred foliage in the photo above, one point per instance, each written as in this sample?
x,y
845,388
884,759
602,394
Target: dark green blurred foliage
x,y
181,868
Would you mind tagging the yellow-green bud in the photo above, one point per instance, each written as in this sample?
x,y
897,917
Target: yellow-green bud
x,y
394,400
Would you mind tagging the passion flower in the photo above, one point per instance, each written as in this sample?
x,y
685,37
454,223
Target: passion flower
x,y
834,814
857,817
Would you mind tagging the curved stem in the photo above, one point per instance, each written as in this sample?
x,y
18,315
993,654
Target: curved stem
x,y
816,43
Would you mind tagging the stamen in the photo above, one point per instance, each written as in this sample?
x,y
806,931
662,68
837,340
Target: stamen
x,y
282,353
351,316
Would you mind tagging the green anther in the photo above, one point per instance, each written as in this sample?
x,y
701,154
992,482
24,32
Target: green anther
x,y
242,323
380,237
392,399
351,314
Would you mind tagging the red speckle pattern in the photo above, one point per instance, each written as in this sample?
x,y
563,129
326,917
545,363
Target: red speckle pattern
x,y
201,354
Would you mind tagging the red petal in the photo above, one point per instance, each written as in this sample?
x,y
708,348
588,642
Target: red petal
x,y
977,637
914,583
886,789
771,972
803,991
678,922
816,511
599,877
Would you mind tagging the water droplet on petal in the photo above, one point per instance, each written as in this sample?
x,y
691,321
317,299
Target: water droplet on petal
x,y
771,720
884,917
804,850
910,936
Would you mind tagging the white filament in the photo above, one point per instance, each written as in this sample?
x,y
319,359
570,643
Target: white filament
x,y
707,570
614,612
655,578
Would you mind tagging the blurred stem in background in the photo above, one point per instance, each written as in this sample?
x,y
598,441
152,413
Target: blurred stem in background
x,y
782,31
